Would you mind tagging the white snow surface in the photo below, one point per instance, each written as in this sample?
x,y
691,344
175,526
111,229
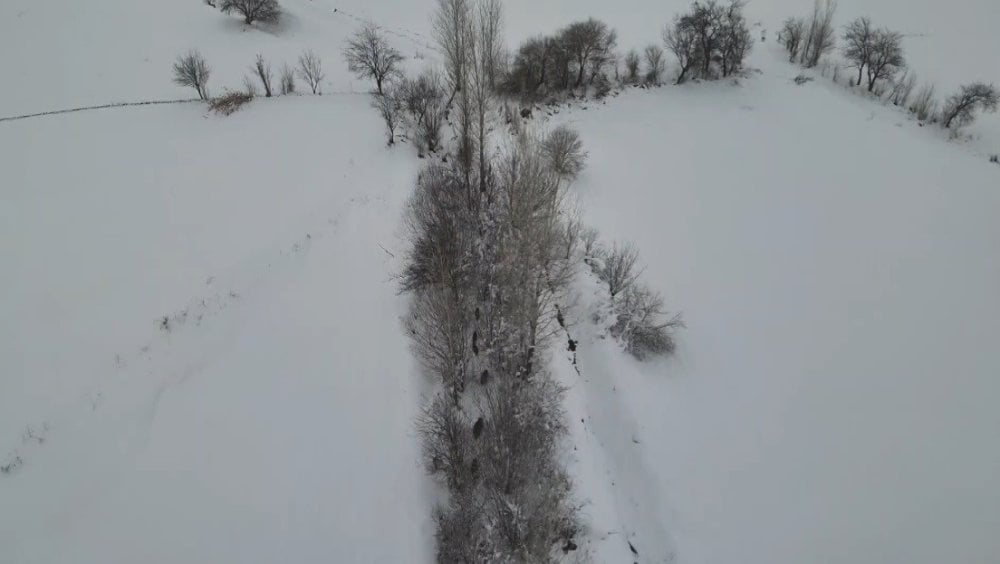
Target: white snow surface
x,y
833,398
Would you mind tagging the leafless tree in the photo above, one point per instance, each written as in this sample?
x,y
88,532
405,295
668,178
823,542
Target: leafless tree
x,y
369,55
311,70
588,43
564,152
391,109
490,39
619,269
819,39
859,38
960,109
287,80
267,11
632,66
654,63
263,72
886,56
735,40
682,40
792,33
452,23
192,70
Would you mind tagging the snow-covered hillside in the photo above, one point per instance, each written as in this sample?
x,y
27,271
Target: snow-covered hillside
x,y
201,355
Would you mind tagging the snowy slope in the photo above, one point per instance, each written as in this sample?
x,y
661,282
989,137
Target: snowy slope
x,y
833,399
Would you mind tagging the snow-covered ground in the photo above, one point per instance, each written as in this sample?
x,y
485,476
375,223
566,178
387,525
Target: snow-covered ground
x,y
833,399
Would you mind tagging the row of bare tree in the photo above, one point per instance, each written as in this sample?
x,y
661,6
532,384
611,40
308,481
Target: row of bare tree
x,y
192,70
877,55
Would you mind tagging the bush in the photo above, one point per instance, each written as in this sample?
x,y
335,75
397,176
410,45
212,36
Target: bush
x,y
654,64
924,105
230,102
424,101
390,109
632,67
577,56
192,70
369,55
311,71
564,152
287,80
819,33
790,37
960,109
267,11
642,324
618,270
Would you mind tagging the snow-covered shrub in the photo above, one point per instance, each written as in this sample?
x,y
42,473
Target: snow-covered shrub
x,y
192,70
642,323
369,55
802,79
311,70
960,109
563,150
267,11
230,102
249,87
287,80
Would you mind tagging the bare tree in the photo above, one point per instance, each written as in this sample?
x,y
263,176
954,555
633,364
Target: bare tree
x,y
960,109
311,70
452,30
490,39
287,80
735,40
791,36
588,43
389,107
267,11
886,56
369,55
819,39
423,99
682,40
654,63
263,72
643,325
192,70
859,37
